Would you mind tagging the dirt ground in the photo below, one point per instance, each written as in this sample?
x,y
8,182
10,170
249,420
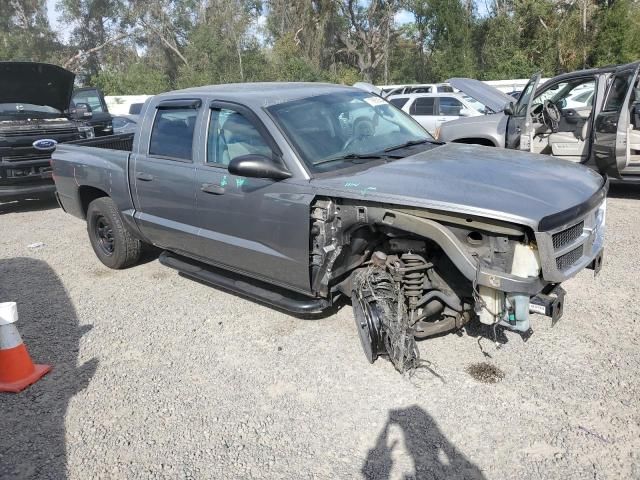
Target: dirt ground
x,y
157,376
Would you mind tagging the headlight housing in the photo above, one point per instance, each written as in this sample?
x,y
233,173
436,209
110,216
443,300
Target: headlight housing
x,y
87,130
601,214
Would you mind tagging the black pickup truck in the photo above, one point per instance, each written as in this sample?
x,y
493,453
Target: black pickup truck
x,y
34,117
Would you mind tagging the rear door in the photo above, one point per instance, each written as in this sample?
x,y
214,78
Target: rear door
x,y
613,126
520,126
423,109
163,176
448,109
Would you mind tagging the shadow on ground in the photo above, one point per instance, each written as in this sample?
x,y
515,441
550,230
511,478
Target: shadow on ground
x,y
411,446
32,422
43,202
625,190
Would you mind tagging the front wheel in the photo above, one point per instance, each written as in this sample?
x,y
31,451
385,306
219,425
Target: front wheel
x,y
111,242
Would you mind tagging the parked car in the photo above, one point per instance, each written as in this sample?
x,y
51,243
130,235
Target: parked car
x,y
101,119
388,90
278,192
433,109
34,116
124,124
601,130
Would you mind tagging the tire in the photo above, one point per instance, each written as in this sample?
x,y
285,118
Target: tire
x,y
111,242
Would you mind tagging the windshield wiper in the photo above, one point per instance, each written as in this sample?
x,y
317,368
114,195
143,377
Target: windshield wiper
x,y
411,143
353,156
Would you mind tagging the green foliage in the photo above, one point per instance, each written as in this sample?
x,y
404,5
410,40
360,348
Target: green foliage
x,y
138,79
618,37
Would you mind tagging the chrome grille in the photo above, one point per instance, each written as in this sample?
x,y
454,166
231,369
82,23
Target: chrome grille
x,y
567,236
568,259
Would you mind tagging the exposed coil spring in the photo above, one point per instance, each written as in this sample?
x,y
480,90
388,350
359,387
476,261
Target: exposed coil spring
x,y
413,277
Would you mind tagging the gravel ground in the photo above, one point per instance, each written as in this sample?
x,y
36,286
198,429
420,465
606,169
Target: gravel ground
x,y
157,376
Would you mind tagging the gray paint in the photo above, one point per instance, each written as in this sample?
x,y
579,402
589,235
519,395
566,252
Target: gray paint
x,y
485,94
261,227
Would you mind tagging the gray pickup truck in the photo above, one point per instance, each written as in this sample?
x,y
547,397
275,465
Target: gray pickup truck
x,y
297,194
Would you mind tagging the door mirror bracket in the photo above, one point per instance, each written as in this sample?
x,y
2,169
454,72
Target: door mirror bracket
x,y
257,166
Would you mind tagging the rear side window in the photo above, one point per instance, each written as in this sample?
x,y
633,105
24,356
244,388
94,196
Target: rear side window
x,y
618,92
398,102
423,106
450,106
172,133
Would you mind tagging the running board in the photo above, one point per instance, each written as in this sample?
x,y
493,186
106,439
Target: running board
x,y
260,291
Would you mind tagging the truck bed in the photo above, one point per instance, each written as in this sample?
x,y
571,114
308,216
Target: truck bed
x,y
86,167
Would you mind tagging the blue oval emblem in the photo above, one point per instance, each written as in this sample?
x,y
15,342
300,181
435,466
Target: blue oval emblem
x,y
45,144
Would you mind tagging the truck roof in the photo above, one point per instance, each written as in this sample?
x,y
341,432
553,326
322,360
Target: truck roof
x,y
259,94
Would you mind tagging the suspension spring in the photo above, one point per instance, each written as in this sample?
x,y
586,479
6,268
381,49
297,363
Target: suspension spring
x,y
413,277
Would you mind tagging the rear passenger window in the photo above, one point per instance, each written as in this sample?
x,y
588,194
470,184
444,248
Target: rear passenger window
x,y
450,106
398,102
422,106
172,133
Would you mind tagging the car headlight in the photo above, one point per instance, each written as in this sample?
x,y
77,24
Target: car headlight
x,y
87,130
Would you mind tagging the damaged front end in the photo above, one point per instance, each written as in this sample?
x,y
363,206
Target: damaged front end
x,y
414,273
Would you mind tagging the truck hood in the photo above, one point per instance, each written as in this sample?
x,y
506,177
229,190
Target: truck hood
x,y
36,83
485,94
506,185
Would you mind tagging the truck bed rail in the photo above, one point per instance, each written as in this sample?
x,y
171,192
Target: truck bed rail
x,y
123,142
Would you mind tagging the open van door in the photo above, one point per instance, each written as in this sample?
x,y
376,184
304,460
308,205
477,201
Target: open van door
x,y
520,126
612,125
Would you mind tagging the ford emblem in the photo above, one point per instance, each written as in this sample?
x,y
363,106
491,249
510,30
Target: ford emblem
x,y
45,145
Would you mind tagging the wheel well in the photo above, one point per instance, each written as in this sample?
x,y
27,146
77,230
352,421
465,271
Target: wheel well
x,y
87,195
475,141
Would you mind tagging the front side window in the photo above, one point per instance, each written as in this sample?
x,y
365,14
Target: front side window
x,y
172,133
329,130
91,99
450,106
232,135
423,106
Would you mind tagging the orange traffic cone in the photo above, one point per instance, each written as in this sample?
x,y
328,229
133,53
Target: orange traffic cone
x,y
17,371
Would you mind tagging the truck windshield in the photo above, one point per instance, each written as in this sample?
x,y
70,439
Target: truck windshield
x,y
331,131
25,109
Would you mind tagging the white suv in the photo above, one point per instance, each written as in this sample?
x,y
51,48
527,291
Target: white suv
x,y
433,109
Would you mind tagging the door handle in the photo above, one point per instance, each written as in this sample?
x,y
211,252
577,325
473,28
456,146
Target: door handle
x,y
212,188
145,177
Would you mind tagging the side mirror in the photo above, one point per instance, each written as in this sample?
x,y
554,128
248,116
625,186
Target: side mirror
x,y
82,111
257,166
509,108
464,112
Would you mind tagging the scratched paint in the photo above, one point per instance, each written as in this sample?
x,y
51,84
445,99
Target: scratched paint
x,y
240,182
224,181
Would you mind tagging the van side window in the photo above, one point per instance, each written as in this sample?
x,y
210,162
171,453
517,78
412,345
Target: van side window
x,y
172,133
232,135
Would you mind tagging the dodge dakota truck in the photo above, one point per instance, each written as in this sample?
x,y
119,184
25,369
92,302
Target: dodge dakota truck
x,y
34,116
298,194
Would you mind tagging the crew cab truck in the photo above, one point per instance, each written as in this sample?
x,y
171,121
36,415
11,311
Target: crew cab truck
x,y
297,194
587,116
34,116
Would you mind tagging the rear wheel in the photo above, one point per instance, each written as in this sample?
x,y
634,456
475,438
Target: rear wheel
x,y
111,242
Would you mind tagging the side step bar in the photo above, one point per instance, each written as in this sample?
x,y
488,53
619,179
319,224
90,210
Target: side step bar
x,y
260,291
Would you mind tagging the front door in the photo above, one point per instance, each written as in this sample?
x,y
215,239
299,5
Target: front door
x,y
613,126
520,125
163,178
449,108
256,226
